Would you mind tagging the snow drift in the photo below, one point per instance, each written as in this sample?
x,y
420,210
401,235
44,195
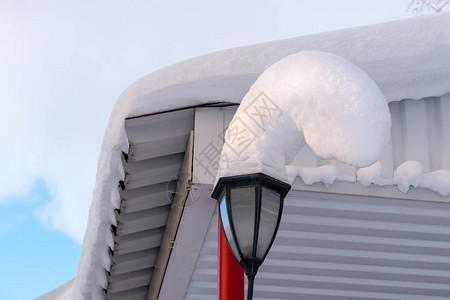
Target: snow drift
x,y
310,96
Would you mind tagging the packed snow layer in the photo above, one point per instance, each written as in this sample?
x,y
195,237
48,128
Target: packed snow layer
x,y
408,174
407,59
313,97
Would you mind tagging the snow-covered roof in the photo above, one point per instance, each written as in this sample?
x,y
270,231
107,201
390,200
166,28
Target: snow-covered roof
x,y
407,59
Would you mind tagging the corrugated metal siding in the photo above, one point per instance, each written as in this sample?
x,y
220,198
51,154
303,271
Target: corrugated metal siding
x,y
333,246
157,145
420,131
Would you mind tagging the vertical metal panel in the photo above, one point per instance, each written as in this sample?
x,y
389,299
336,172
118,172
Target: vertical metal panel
x,y
417,134
398,133
434,131
229,112
210,126
208,143
445,138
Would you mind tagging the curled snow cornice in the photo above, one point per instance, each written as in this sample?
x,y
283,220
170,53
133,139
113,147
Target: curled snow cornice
x,y
313,97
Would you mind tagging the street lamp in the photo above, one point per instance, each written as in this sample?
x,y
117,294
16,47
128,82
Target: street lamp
x,y
250,208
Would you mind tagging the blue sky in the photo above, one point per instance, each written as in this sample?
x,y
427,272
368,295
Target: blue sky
x,y
62,66
32,258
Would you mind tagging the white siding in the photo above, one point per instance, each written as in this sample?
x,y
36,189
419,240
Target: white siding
x,y
333,246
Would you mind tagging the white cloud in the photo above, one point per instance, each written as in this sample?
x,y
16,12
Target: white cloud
x,y
66,213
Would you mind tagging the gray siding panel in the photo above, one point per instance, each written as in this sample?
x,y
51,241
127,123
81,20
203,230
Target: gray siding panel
x,y
333,246
445,135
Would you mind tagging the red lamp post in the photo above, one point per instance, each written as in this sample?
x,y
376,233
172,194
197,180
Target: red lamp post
x,y
230,273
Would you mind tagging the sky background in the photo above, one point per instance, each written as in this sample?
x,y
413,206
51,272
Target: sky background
x,y
62,66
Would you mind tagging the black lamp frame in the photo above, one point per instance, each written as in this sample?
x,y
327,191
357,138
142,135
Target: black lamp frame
x,y
257,180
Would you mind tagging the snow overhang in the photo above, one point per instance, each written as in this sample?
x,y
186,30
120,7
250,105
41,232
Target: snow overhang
x,y
313,97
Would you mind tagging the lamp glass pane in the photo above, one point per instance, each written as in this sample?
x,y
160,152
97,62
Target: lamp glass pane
x,y
243,210
270,207
227,228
